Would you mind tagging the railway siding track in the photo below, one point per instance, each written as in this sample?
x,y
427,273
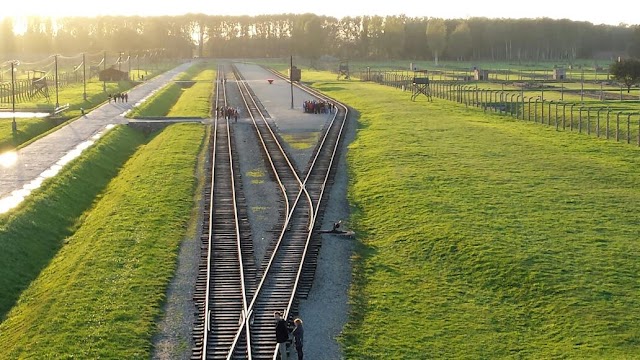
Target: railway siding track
x,y
276,286
285,272
240,300
227,269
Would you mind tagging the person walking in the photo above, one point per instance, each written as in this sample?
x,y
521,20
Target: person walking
x,y
282,334
298,336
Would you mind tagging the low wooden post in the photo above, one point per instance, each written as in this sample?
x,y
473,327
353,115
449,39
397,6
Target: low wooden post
x,y
618,127
629,129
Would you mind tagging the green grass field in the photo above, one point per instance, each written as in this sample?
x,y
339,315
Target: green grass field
x,y
99,295
175,100
484,237
34,232
195,101
158,104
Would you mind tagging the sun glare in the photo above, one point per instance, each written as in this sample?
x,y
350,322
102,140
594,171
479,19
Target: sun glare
x,y
8,159
463,9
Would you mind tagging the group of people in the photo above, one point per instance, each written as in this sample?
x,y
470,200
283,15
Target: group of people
x,y
282,335
123,97
227,112
318,107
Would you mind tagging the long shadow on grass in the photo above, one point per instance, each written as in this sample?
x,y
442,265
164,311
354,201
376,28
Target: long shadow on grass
x,y
361,256
26,131
33,233
358,297
354,113
330,88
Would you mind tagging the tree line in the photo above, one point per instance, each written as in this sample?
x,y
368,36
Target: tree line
x,y
311,36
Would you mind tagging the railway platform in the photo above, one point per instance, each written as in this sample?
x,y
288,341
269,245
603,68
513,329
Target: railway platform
x,y
277,99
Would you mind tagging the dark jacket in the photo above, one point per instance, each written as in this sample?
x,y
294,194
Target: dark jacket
x,y
298,335
282,332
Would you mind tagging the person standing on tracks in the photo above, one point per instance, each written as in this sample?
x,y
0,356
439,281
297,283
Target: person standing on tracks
x,y
298,336
282,334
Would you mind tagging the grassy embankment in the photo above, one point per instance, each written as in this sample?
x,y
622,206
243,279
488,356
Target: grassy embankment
x,y
34,232
174,100
100,295
32,128
483,237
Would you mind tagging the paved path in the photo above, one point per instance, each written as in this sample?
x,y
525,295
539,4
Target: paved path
x,y
276,98
293,123
44,157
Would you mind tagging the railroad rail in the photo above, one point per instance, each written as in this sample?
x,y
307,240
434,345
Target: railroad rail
x,y
274,290
227,271
238,318
318,175
285,271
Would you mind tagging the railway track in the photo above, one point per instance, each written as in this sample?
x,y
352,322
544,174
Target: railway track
x,y
274,291
227,271
239,323
318,177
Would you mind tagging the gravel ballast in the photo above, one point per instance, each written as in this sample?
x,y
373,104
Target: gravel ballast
x,y
325,311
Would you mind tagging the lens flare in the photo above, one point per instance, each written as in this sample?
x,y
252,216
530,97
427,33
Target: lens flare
x,y
8,159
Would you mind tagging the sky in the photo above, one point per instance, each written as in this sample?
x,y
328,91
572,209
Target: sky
x,y
621,11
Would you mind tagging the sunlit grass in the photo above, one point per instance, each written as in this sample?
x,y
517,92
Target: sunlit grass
x,y
486,237
195,101
101,293
256,176
32,233
160,103
175,100
256,173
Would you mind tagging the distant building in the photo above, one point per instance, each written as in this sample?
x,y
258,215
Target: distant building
x,y
295,74
480,75
559,74
113,74
94,70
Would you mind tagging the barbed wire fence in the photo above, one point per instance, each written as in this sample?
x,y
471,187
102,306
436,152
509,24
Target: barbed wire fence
x,y
611,115
36,81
